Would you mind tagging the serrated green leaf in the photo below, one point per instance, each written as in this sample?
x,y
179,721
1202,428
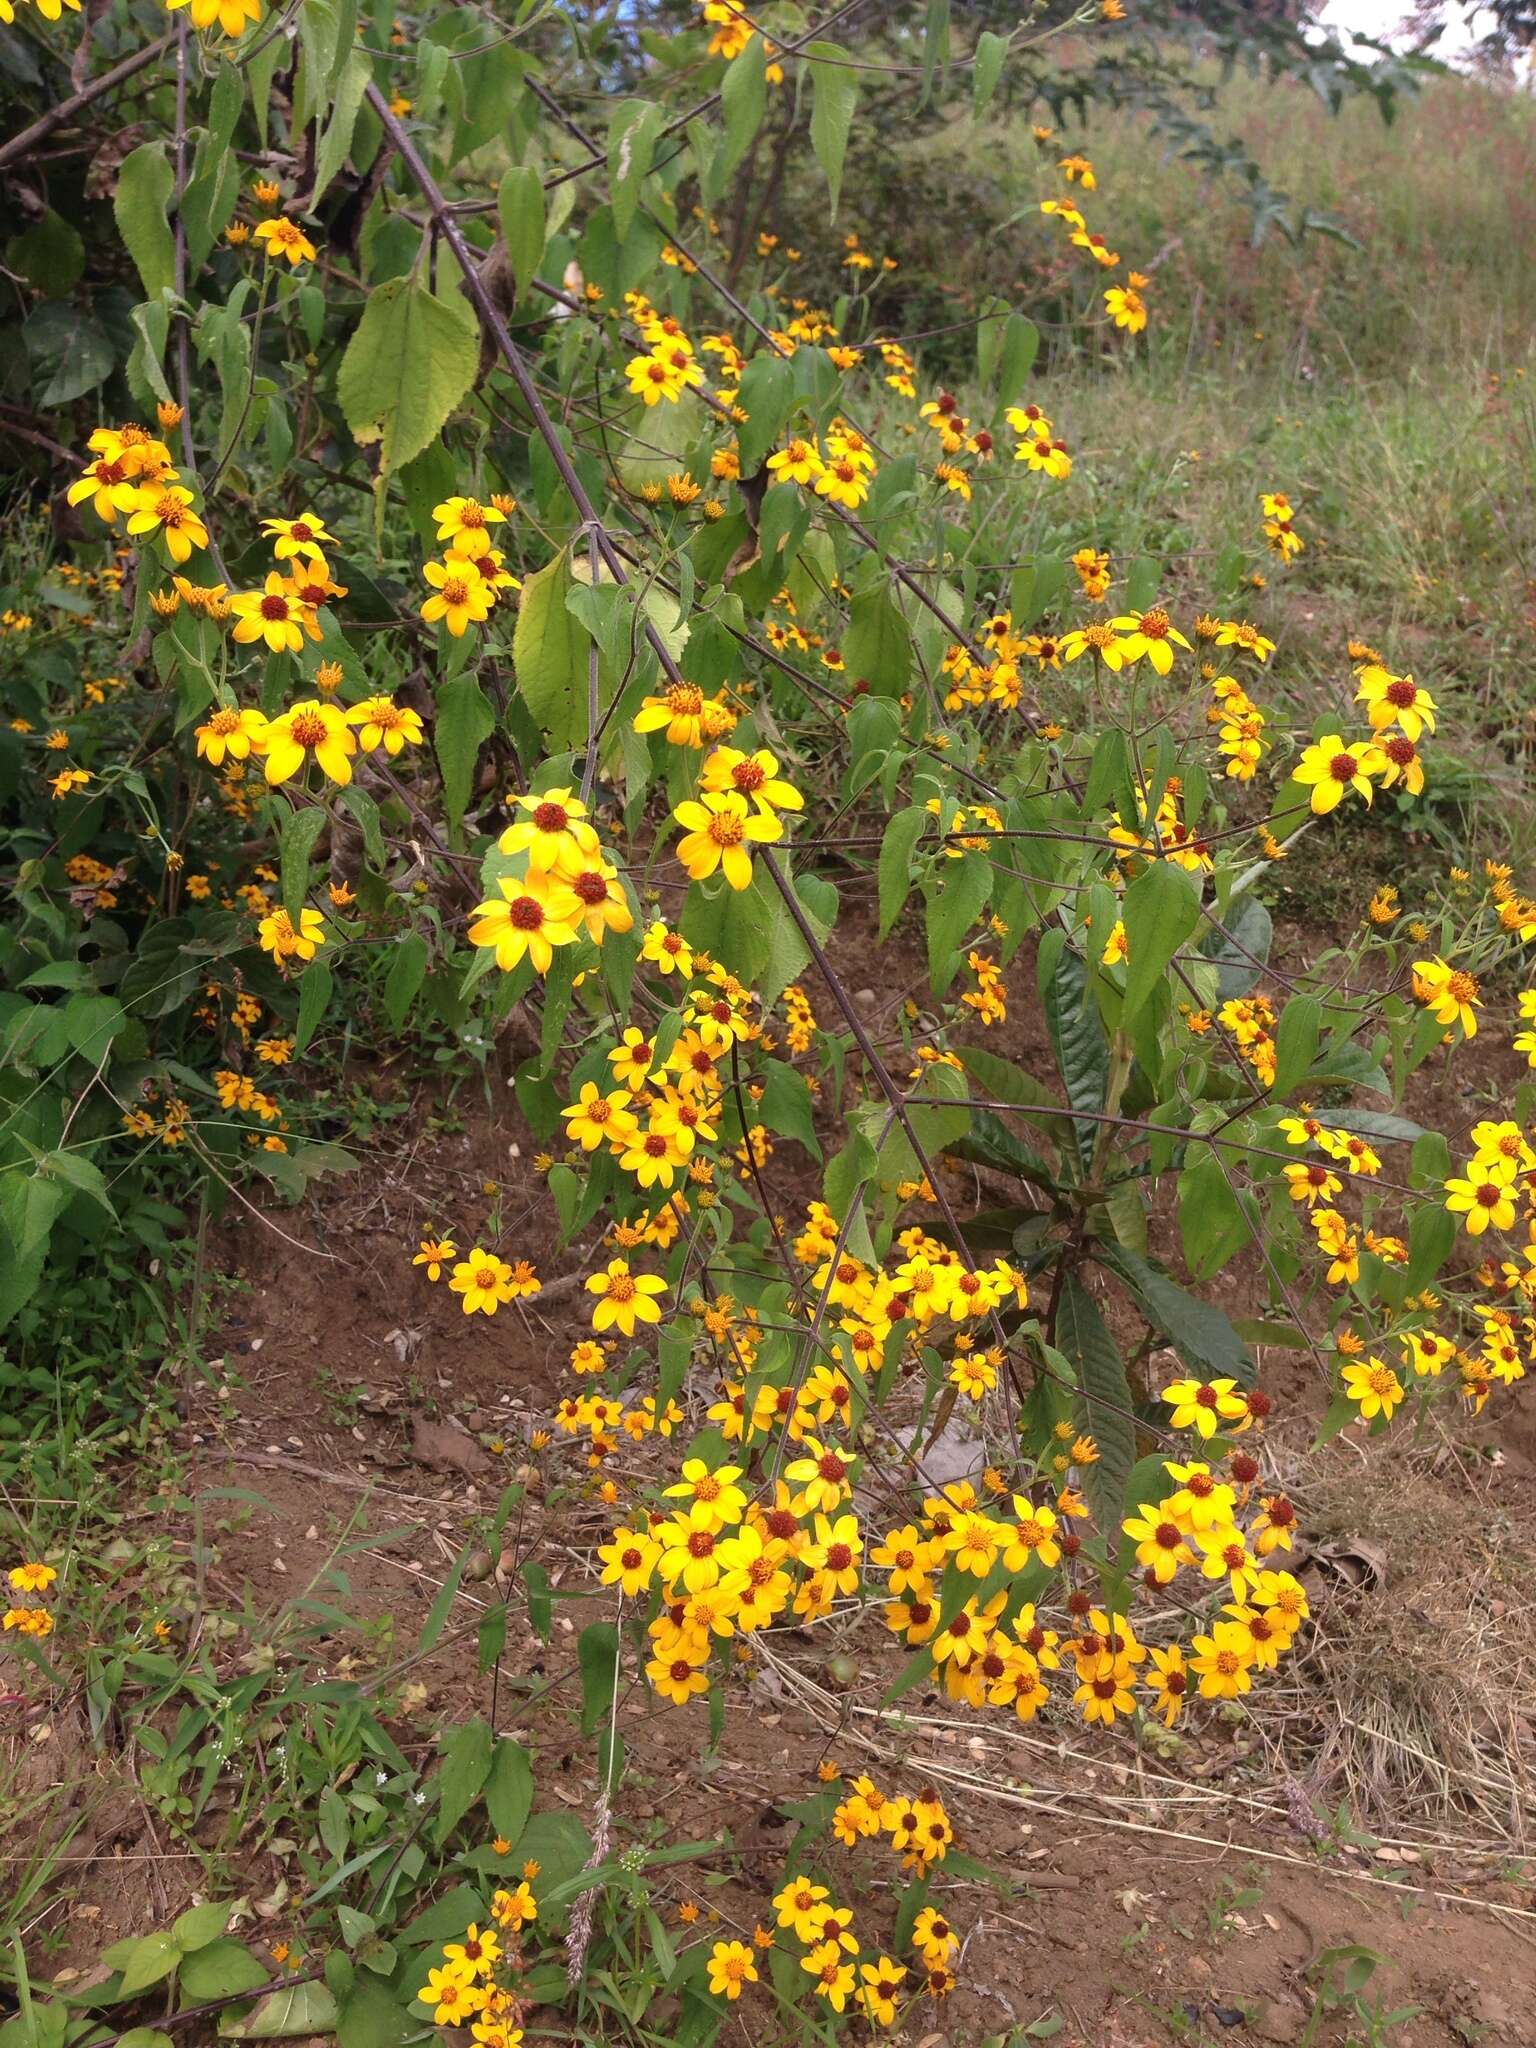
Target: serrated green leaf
x,y
521,210
410,362
834,95
141,208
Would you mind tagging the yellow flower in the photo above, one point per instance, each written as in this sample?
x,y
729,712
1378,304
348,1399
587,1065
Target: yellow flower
x,y
1395,700
31,1578
1484,1196
385,724
168,508
460,596
755,776
1333,769
798,462
279,938
625,1298
831,1972
311,728
232,731
234,17
304,538
434,1254
532,917
731,1965
1375,1388
555,834
464,524
719,831
285,237
272,615
485,1282
453,1995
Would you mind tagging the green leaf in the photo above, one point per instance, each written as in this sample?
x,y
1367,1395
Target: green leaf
x,y
92,1022
79,1173
314,994
834,94
767,391
466,1766
142,209
1199,1331
154,1958
632,130
369,2017
597,1651
1160,909
301,829
406,973
1021,345
68,350
509,1789
1082,1050
1104,1401
894,869
785,1106
990,1143
223,1969
285,2015
200,1925
520,206
987,69
549,653
50,255
743,101
463,723
1213,1222
877,646
337,138
1295,1043
1248,934
411,360
956,897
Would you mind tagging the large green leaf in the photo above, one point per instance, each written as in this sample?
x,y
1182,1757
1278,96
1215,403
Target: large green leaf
x,y
410,362
894,871
957,895
1082,1050
1160,910
142,209
1199,1331
877,647
520,205
1103,1401
466,1767
463,722
834,94
550,649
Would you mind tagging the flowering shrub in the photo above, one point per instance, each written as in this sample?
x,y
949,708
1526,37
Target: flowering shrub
x,y
645,652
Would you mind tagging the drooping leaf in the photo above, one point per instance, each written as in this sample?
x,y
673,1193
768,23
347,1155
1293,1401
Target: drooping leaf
x,y
141,208
520,206
1104,1399
1160,909
1199,1331
549,653
834,95
1082,1050
410,362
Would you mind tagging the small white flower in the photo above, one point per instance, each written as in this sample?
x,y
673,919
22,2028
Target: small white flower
x,y
418,1799
381,1777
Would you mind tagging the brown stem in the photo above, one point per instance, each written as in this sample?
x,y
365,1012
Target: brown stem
x,y
22,145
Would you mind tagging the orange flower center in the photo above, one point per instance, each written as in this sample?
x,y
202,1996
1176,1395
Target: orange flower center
x,y
726,829
309,729
526,913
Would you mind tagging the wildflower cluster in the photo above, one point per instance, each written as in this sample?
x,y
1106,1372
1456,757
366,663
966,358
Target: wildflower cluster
x,y
478,1984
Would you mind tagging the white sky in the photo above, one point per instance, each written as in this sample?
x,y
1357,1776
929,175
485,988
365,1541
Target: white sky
x,y
1382,18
